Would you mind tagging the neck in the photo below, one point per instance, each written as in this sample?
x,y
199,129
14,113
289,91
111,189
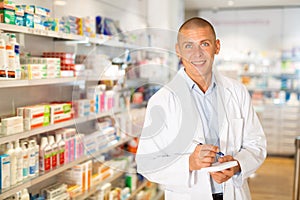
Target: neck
x,y
203,81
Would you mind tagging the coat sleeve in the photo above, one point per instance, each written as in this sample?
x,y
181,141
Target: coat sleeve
x,y
253,142
155,159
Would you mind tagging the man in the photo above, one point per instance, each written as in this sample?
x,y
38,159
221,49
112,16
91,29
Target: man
x,y
191,119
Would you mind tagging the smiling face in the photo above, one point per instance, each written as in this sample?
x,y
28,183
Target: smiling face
x,y
197,47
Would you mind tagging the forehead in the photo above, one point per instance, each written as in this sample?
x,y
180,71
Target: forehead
x,y
196,34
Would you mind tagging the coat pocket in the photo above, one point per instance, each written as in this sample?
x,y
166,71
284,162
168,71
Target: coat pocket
x,y
237,126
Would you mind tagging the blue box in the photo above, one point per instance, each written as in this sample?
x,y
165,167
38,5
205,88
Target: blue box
x,y
28,19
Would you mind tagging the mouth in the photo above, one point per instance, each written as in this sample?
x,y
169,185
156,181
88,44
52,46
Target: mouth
x,y
198,63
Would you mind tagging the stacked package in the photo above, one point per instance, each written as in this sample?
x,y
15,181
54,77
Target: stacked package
x,y
71,24
7,11
79,175
74,147
41,68
98,140
35,116
42,115
67,60
11,125
88,26
57,191
40,16
25,15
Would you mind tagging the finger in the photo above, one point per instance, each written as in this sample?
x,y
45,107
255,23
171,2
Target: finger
x,y
207,159
209,147
205,153
228,172
225,158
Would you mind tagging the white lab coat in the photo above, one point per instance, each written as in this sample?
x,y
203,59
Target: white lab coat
x,y
163,153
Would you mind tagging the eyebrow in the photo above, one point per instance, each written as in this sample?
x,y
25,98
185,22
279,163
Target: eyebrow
x,y
193,41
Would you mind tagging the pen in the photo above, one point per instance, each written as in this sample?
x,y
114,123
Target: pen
x,y
218,153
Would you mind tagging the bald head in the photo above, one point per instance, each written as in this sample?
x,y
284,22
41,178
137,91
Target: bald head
x,y
195,22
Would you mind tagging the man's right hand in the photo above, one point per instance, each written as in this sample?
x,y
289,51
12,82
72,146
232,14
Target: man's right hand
x,y
203,156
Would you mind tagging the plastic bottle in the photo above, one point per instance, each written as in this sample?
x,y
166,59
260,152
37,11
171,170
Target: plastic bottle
x,y
25,159
3,56
10,56
13,163
45,155
31,153
25,194
36,152
19,156
54,147
16,49
61,149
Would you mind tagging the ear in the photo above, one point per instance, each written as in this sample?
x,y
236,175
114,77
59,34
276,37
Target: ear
x,y
218,45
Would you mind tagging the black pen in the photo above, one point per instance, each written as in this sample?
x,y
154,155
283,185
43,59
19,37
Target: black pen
x,y
218,153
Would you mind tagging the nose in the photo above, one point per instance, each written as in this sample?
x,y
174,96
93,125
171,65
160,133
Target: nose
x,y
198,51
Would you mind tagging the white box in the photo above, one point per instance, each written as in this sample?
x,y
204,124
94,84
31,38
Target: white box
x,y
12,121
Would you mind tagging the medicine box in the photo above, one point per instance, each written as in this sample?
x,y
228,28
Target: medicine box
x,y
54,190
8,4
7,16
4,171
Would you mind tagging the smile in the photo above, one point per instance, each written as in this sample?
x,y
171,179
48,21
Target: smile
x,y
198,62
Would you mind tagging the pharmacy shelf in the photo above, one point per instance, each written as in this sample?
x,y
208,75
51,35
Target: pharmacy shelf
x,y
40,32
103,40
44,176
36,131
94,189
112,43
6,83
137,190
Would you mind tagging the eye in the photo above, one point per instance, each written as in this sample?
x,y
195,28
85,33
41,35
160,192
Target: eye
x,y
204,44
188,46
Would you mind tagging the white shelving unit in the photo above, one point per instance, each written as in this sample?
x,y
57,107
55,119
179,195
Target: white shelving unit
x,y
36,131
6,84
101,40
44,176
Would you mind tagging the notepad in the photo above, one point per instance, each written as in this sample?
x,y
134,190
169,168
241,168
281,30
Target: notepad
x,y
220,166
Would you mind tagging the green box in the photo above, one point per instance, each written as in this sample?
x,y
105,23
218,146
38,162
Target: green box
x,y
7,16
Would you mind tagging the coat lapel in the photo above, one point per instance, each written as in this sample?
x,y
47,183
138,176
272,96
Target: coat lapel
x,y
223,99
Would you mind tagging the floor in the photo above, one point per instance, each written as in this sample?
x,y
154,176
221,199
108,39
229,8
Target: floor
x,y
273,180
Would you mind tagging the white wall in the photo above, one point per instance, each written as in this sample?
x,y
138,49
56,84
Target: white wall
x,y
265,31
165,14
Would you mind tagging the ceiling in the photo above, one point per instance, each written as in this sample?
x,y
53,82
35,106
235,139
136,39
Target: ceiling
x,y
233,4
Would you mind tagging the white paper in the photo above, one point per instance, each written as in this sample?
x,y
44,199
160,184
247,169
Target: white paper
x,y
220,166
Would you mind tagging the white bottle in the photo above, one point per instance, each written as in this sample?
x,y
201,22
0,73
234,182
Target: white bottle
x,y
45,155
54,147
19,156
16,49
3,56
36,152
61,149
13,163
25,194
31,161
25,159
10,56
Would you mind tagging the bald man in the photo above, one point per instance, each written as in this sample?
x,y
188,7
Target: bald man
x,y
205,118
